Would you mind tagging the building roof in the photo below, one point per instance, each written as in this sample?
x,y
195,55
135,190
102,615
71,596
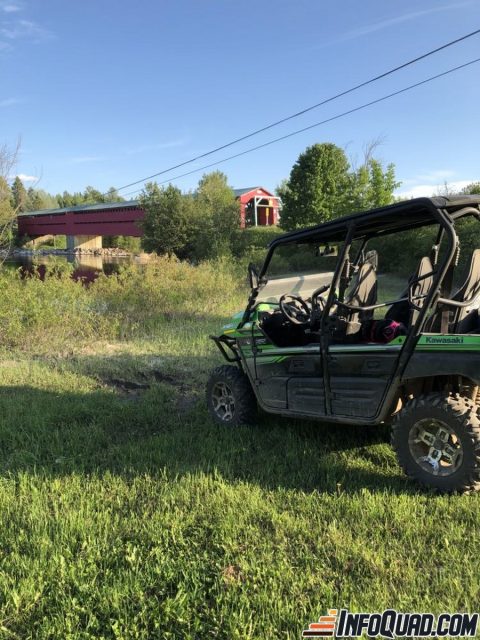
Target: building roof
x,y
126,204
241,192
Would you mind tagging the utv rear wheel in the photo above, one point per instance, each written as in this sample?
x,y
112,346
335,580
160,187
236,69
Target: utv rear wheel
x,y
230,398
437,442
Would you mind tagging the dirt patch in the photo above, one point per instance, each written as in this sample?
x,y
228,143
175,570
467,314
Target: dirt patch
x,y
131,389
164,377
128,385
232,575
186,402
128,389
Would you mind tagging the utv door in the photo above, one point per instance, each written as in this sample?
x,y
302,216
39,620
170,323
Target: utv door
x,y
358,377
291,378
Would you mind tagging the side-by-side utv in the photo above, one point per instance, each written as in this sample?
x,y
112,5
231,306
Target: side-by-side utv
x,y
315,342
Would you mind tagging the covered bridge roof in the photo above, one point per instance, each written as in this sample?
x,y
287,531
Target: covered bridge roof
x,y
84,208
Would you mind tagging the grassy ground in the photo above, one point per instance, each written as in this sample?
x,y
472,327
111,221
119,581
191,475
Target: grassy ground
x,y
127,514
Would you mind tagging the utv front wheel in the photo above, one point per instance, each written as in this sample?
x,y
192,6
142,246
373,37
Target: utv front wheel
x,y
230,398
437,442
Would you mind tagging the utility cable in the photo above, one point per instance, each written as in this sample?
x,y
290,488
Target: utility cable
x,y
307,109
322,122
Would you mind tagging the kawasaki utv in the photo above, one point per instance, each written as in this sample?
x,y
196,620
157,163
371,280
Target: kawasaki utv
x,y
316,339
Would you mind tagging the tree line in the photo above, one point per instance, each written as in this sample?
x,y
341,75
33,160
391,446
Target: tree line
x,y
203,223
21,200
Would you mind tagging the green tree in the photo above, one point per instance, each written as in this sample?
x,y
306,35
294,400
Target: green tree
x,y
216,217
19,196
67,199
39,199
371,186
89,196
167,223
7,212
92,195
112,195
8,160
472,188
317,188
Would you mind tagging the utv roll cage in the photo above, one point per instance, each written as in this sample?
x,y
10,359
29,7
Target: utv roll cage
x,y
411,214
363,227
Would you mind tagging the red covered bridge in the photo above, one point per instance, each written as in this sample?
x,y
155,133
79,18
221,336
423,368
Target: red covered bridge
x,y
85,225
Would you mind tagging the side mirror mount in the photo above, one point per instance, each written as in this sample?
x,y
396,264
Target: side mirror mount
x,y
252,276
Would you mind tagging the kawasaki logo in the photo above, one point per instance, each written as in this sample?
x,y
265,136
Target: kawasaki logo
x,y
443,340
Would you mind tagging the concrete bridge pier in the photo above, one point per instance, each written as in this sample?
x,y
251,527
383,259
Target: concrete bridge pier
x,y
38,240
84,242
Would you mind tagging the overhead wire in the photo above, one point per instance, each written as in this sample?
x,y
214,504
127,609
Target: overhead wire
x,y
318,124
305,110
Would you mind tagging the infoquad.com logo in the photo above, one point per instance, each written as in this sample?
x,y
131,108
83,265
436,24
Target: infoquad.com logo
x,y
393,624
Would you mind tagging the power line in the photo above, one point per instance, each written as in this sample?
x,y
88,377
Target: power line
x,y
307,109
318,124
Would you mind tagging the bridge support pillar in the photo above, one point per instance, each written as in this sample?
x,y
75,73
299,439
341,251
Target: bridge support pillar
x,y
38,240
84,242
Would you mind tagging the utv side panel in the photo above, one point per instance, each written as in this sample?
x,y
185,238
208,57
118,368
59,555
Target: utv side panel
x,y
445,354
427,365
359,378
306,395
276,370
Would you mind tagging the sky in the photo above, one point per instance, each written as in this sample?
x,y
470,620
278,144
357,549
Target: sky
x,y
105,93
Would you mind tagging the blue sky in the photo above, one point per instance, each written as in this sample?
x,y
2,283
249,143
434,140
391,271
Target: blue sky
x,y
105,92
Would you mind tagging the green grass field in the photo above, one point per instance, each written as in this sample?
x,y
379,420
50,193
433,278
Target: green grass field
x,y
125,513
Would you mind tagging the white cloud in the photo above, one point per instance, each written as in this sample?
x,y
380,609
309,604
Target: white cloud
x,y
85,159
431,177
21,29
428,190
11,8
170,144
9,102
24,178
390,22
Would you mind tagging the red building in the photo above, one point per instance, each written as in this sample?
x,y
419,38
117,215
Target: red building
x,y
258,207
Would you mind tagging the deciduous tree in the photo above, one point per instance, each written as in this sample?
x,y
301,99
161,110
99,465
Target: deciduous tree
x,y
317,187
472,188
167,221
371,186
216,216
8,159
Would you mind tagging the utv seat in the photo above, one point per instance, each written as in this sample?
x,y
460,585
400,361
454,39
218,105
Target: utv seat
x,y
464,319
347,323
362,293
423,279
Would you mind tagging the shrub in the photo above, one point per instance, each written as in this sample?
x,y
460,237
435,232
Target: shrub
x,y
59,313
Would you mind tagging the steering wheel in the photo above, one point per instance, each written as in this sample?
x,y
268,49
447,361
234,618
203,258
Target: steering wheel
x,y
318,301
295,309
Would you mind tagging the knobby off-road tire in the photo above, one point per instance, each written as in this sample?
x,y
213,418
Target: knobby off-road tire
x,y
230,398
437,442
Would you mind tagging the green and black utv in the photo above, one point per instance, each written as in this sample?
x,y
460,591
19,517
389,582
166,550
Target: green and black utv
x,y
315,341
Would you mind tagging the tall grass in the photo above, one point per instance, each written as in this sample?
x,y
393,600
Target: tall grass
x,y
59,312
